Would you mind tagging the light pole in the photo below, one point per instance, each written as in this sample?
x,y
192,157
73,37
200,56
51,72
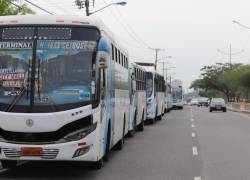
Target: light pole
x,y
86,4
242,25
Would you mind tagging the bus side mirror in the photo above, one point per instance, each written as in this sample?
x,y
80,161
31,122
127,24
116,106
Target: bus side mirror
x,y
102,59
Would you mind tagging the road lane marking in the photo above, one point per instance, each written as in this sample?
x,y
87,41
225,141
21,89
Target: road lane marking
x,y
192,119
195,151
197,178
192,125
193,134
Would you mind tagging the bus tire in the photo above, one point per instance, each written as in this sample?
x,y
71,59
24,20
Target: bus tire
x,y
141,125
98,164
8,164
119,145
107,150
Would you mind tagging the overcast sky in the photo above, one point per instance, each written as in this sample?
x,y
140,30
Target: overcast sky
x,y
189,30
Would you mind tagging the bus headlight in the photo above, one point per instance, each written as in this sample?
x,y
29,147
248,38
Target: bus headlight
x,y
80,134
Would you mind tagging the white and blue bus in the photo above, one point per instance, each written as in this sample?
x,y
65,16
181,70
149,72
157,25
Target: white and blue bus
x,y
137,98
168,98
64,91
155,92
177,93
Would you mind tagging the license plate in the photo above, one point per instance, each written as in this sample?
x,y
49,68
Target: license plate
x,y
218,107
31,151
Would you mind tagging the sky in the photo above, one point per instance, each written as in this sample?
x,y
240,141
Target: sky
x,y
191,31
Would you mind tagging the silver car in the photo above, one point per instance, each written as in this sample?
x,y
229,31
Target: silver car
x,y
217,104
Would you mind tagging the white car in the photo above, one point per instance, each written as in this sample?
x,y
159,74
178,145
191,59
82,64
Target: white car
x,y
217,104
194,102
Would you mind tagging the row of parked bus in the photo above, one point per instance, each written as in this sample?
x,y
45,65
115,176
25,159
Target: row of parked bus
x,y
68,91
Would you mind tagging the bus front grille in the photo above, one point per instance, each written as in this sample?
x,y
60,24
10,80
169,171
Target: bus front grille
x,y
16,153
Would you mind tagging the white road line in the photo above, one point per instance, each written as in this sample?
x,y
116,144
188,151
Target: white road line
x,y
193,134
195,151
192,125
197,178
192,119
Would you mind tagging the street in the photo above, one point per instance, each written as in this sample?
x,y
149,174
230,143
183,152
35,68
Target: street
x,y
189,144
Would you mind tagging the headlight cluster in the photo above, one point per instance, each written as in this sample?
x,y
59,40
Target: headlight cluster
x,y
80,134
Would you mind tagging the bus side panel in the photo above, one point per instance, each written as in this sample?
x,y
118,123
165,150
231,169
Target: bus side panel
x,y
141,106
160,98
121,105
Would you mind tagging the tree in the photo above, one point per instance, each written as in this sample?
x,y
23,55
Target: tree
x,y
215,78
13,7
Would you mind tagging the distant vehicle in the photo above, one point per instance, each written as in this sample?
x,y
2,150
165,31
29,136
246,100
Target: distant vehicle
x,y
217,104
168,98
194,102
155,87
137,98
177,91
203,102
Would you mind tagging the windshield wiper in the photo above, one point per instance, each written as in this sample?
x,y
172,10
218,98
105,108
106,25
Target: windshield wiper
x,y
15,100
22,92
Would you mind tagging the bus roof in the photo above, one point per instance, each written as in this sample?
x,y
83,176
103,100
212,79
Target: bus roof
x,y
50,19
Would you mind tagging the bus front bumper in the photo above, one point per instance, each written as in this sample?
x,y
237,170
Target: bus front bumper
x,y
82,150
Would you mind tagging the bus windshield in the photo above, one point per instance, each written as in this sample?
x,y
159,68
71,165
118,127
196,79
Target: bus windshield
x,y
46,69
177,94
149,84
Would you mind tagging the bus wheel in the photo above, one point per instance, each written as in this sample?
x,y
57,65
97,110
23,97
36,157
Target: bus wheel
x,y
141,125
98,164
9,164
160,117
153,120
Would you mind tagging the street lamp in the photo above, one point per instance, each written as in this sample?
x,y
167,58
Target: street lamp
x,y
122,3
86,3
242,25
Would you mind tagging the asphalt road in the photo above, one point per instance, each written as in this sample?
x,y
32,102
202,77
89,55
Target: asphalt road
x,y
189,144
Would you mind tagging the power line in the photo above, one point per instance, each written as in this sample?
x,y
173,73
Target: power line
x,y
130,27
56,5
14,4
126,29
35,5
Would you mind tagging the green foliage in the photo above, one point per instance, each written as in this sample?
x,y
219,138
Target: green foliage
x,y
7,7
233,81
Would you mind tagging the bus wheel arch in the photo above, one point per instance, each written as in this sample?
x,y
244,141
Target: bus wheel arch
x,y
132,132
119,145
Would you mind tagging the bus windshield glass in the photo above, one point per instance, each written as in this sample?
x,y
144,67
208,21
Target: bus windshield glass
x,y
177,93
149,84
46,69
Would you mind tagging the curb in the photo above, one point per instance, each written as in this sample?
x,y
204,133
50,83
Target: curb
x,y
238,110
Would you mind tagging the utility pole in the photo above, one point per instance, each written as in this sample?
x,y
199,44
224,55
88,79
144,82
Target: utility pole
x,y
85,4
156,55
87,7
230,54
